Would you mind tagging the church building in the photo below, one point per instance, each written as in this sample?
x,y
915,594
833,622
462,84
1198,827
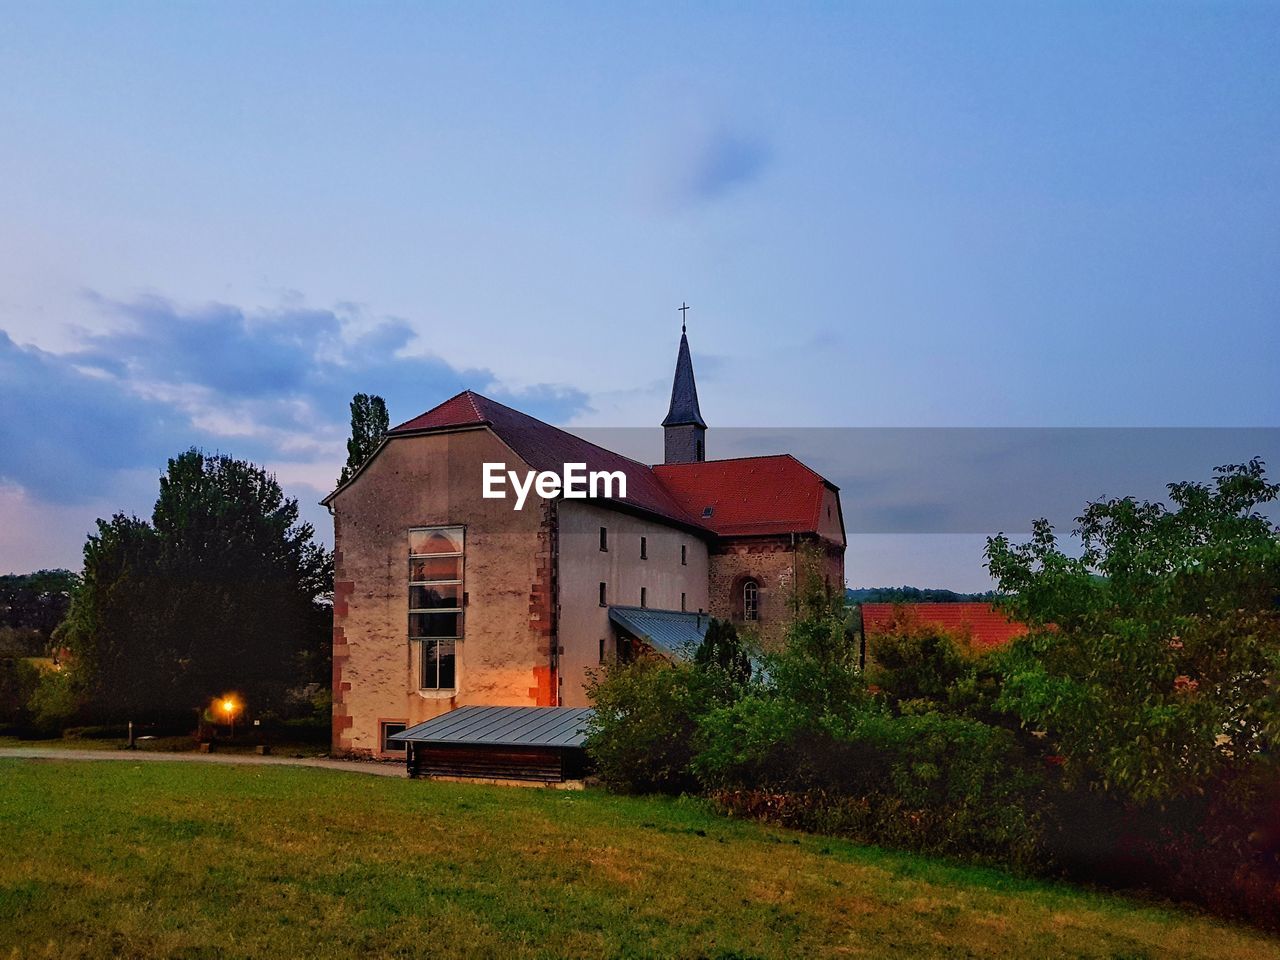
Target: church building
x,y
446,598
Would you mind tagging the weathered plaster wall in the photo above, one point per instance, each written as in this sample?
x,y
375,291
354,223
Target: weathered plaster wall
x,y
504,658
583,565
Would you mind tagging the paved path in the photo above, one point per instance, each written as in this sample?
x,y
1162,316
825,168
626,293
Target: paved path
x,y
352,766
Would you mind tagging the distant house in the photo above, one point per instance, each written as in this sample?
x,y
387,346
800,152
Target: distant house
x,y
446,598
984,625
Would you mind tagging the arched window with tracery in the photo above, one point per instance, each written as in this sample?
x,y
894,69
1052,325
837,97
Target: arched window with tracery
x,y
750,600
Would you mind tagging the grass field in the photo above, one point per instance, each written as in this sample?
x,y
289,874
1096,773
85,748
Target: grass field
x,y
192,860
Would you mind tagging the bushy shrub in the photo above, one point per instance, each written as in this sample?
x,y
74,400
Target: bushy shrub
x,y
18,680
808,745
54,702
927,782
917,662
641,735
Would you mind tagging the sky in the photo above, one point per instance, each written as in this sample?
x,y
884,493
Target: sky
x,y
218,221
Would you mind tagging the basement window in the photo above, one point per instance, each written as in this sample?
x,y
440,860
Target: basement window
x,y
387,730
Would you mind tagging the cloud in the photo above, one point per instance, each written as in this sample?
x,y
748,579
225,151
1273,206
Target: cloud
x,y
66,433
272,386
716,161
698,157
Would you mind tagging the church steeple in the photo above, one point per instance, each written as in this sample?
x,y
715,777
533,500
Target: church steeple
x,y
684,429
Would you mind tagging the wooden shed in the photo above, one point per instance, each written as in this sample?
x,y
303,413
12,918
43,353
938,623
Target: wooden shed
x,y
527,744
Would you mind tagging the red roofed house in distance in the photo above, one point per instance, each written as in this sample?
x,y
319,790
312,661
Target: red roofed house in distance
x,y
445,597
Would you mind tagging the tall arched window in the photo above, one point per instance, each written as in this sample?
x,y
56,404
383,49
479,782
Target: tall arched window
x,y
750,600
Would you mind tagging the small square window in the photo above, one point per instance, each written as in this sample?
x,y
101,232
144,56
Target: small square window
x,y
389,730
644,548
604,594
604,539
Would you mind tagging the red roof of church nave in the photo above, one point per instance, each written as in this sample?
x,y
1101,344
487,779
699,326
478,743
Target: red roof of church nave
x,y
986,625
748,496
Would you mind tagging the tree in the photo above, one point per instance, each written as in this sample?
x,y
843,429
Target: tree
x,y
31,606
369,423
722,650
224,589
1154,664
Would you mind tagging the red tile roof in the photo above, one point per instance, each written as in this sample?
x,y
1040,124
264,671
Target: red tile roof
x,y
544,447
985,625
749,496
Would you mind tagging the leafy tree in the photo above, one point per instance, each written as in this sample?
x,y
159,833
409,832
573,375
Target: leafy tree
x,y
1155,663
224,589
369,423
723,651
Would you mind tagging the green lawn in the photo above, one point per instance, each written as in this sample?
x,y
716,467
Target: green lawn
x,y
187,860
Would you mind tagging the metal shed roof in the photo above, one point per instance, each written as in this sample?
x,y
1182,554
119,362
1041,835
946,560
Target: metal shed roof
x,y
505,726
669,631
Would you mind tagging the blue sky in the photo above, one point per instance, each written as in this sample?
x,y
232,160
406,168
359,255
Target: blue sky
x,y
218,221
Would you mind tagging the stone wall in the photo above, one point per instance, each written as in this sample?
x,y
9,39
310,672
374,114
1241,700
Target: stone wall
x,y
776,564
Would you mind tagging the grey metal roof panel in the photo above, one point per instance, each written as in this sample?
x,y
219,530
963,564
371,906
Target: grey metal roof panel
x,y
504,726
672,632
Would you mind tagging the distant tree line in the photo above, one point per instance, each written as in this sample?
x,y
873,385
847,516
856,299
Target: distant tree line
x,y
914,595
31,607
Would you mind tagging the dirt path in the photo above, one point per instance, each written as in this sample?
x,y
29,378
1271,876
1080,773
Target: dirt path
x,y
136,756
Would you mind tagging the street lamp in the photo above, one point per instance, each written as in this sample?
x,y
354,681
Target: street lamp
x,y
229,709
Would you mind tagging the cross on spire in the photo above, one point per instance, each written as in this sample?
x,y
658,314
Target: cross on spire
x,y
684,311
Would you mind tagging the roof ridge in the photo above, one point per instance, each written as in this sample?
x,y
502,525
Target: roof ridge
x,y
471,399
578,437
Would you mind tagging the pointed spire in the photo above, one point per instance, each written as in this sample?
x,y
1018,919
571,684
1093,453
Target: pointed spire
x,y
684,392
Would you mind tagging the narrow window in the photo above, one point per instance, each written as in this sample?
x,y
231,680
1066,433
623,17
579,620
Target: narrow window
x,y
682,602
604,539
389,730
750,600
644,548
602,649
644,597
435,603
684,555
604,595
700,451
